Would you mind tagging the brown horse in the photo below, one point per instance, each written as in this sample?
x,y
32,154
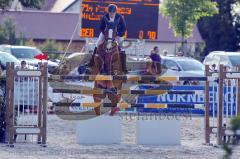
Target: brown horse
x,y
153,68
107,61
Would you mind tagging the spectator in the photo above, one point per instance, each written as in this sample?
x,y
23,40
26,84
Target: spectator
x,y
180,53
155,57
23,65
165,52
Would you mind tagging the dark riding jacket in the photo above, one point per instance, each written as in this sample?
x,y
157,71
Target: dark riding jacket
x,y
121,26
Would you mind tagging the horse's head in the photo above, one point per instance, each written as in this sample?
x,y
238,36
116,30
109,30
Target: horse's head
x,y
110,35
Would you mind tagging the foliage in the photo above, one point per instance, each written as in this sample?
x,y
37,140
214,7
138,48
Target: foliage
x,y
184,14
30,43
32,3
235,125
52,48
222,31
8,33
4,4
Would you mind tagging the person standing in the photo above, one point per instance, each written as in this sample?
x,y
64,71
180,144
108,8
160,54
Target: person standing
x,y
156,59
165,53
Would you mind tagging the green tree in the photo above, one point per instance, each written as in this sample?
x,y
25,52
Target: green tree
x,y
30,43
8,33
9,29
52,48
26,3
184,14
229,147
222,31
2,35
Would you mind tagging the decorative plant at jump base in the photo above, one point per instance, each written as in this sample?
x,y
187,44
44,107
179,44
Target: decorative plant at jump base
x,y
229,147
2,111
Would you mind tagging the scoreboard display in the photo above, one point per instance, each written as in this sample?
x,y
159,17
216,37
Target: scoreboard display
x,y
141,17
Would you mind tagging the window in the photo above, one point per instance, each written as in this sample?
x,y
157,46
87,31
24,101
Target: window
x,y
170,64
4,58
5,49
191,65
25,53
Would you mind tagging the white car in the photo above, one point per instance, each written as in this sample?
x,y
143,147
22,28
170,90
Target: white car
x,y
27,54
183,67
229,59
6,57
175,66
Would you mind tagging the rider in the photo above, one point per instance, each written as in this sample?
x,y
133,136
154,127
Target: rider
x,y
113,16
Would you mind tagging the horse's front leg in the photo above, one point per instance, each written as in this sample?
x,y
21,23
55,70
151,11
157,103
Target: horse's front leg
x,y
116,69
98,98
98,62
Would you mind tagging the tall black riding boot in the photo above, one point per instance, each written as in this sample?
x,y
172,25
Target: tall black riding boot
x,y
124,61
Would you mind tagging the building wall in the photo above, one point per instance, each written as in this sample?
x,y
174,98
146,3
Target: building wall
x,y
76,46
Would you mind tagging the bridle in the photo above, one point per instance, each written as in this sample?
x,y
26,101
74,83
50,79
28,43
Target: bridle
x,y
110,42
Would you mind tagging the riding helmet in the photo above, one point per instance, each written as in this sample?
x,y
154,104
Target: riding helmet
x,y
112,8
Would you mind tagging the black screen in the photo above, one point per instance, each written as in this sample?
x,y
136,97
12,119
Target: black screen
x,y
141,17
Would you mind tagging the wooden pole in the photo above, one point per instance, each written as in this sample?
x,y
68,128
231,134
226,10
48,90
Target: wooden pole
x,y
207,105
40,105
44,102
220,105
238,93
10,104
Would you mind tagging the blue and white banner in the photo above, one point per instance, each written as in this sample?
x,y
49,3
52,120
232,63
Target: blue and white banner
x,y
197,97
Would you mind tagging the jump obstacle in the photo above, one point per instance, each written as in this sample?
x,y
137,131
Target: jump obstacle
x,y
19,107
26,100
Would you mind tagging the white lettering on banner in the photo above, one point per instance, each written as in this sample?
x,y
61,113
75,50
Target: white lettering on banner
x,y
229,97
200,98
180,98
173,98
162,97
192,97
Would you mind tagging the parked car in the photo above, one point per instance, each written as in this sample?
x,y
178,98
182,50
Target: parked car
x,y
27,54
175,66
6,57
183,67
229,59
